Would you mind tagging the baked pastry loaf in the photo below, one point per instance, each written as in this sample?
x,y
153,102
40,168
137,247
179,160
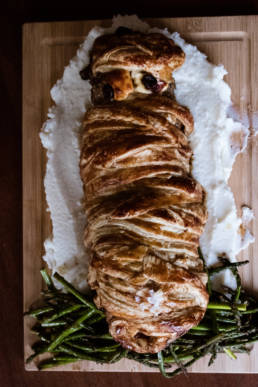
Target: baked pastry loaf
x,y
128,62
145,212
145,216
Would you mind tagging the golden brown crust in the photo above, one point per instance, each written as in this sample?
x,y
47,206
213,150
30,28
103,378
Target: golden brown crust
x,y
121,62
145,216
137,51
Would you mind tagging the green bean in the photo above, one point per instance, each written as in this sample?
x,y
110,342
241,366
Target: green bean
x,y
110,348
214,352
209,342
226,328
61,356
178,370
118,355
105,336
194,332
61,313
226,320
214,323
47,279
75,336
55,363
201,327
72,329
76,293
230,353
39,311
222,312
250,311
227,265
142,360
54,323
182,357
82,355
220,306
96,319
66,349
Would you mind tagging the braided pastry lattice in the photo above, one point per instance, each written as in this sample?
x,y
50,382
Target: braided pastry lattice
x,y
145,215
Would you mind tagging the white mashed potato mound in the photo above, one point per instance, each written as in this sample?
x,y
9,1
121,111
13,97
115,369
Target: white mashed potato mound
x,y
200,87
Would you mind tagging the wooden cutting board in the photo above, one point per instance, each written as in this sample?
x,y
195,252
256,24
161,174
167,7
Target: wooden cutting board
x,y
47,48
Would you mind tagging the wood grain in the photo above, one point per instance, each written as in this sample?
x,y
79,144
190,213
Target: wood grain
x,y
47,48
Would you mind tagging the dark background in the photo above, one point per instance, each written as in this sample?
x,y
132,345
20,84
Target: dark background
x,y
13,15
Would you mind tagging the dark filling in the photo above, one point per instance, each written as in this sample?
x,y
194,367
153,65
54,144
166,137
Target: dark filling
x,y
123,31
149,81
108,92
101,91
86,73
152,84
